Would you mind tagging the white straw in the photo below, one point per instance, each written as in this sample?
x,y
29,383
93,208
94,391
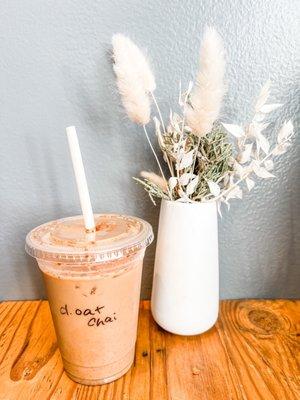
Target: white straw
x,y
82,186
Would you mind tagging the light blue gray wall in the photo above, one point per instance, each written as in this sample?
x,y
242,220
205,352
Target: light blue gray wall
x,y
54,71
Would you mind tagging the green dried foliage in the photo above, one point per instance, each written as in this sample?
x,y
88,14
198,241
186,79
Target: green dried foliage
x,y
213,161
152,189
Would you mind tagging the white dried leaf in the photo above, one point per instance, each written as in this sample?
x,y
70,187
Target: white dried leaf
x,y
186,160
263,96
258,117
156,123
235,130
180,102
214,188
255,128
176,118
172,182
280,149
227,204
240,171
158,133
285,132
176,127
262,172
254,153
184,96
185,178
176,149
240,143
183,196
226,180
251,131
263,126
267,108
269,165
169,129
188,92
235,193
182,145
250,184
191,187
219,204
190,87
262,142
244,156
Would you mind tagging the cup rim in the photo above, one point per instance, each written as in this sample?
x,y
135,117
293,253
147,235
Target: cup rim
x,y
69,255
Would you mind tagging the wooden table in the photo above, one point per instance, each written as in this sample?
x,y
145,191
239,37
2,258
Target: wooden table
x,y
252,353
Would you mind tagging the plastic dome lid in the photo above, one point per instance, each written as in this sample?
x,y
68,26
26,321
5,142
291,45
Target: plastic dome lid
x,y
66,240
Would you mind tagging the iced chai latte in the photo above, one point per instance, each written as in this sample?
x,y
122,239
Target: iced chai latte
x,y
93,286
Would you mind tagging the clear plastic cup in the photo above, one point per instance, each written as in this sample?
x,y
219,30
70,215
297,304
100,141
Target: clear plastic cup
x,y
93,286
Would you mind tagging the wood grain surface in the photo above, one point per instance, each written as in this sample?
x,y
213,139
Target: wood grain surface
x,y
252,353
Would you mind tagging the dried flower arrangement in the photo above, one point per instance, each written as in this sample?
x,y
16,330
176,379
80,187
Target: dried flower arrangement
x,y
204,165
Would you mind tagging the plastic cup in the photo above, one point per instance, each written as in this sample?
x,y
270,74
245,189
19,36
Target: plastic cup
x,y
93,286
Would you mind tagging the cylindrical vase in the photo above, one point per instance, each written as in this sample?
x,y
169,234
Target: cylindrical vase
x,y
185,294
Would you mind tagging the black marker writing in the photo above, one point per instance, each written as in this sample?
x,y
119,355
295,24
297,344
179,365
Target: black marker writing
x,y
85,312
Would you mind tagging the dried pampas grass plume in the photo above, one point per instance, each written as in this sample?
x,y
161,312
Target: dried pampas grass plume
x,y
156,179
207,94
134,78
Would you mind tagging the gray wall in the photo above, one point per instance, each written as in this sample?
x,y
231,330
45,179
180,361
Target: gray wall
x,y
54,72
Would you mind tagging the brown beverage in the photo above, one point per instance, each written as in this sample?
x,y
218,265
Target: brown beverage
x,y
93,286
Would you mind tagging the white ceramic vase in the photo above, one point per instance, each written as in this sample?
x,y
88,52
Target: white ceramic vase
x,y
185,294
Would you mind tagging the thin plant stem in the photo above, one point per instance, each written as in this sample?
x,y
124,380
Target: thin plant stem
x,y
196,152
164,129
157,160
182,132
180,94
169,163
159,113
184,105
